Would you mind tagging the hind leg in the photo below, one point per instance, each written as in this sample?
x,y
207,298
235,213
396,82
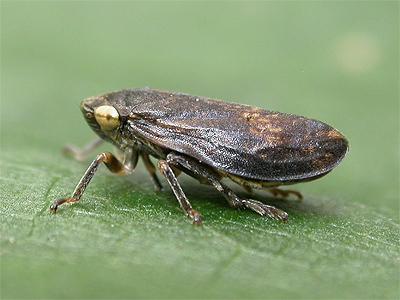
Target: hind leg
x,y
276,192
215,180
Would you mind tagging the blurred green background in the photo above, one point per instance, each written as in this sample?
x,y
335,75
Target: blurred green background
x,y
337,62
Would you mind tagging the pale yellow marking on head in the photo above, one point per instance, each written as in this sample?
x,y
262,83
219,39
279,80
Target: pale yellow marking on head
x,y
107,117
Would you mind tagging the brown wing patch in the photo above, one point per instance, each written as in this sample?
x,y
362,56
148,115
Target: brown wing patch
x,y
265,126
323,161
334,134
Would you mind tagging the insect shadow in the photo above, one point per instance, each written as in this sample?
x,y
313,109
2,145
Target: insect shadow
x,y
136,192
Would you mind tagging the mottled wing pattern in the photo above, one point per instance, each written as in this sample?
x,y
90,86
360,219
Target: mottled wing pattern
x,y
237,139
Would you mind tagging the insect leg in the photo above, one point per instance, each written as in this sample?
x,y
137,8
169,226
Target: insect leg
x,y
152,171
166,170
207,175
231,197
285,193
82,154
247,188
112,163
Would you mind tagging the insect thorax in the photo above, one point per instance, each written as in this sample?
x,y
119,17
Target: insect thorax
x,y
129,139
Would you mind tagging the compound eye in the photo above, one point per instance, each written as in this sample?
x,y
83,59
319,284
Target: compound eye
x,y
107,117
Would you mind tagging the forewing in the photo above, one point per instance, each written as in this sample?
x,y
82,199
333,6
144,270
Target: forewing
x,y
237,139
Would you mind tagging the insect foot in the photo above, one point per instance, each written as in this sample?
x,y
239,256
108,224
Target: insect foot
x,y
265,210
196,217
57,203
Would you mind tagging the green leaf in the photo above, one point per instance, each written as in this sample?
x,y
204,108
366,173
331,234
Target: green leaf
x,y
337,62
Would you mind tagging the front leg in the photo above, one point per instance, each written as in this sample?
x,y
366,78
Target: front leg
x,y
112,163
81,154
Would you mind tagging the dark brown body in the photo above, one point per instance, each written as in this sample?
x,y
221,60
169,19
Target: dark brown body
x,y
239,140
210,139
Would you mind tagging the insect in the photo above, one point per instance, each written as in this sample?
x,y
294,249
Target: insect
x,y
209,140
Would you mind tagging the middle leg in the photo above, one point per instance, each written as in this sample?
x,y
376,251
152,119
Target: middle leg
x,y
168,173
151,169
